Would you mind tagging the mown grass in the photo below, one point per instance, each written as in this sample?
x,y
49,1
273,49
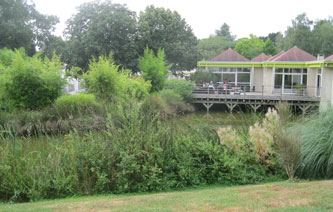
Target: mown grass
x,y
282,196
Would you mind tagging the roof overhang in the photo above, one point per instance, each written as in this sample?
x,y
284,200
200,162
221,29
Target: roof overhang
x,y
268,64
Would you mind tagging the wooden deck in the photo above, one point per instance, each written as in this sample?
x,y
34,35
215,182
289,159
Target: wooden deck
x,y
255,100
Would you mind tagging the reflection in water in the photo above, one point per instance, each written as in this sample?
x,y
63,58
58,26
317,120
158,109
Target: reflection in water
x,y
222,119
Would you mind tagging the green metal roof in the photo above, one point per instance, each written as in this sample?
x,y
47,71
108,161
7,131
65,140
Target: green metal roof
x,y
310,64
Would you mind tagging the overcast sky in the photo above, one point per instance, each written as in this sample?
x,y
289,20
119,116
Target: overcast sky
x,y
258,17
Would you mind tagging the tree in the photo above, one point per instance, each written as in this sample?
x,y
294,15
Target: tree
x,y
154,69
21,25
214,45
272,36
250,47
269,48
162,28
225,32
323,37
299,34
98,28
54,44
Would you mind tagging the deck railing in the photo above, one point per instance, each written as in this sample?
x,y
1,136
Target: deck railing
x,y
244,90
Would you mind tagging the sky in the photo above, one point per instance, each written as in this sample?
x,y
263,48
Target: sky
x,y
245,17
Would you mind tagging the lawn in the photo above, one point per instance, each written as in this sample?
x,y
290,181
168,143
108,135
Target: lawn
x,y
282,196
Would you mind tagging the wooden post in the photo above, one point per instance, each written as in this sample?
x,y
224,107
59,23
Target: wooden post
x,y
208,106
231,106
262,93
255,107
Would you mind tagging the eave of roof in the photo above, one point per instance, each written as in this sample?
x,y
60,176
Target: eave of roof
x,y
268,64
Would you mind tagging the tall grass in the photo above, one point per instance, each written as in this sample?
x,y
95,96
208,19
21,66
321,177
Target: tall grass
x,y
317,145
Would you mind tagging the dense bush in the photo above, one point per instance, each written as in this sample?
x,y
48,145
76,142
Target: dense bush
x,y
316,134
104,78
32,83
173,103
154,68
78,104
107,81
6,58
137,152
183,88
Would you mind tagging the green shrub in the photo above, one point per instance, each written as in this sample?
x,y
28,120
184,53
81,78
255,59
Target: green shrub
x,y
183,88
104,79
137,88
77,104
33,83
173,102
154,69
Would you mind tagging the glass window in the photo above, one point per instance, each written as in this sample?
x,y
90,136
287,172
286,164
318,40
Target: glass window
x,y
243,77
304,80
279,70
246,70
296,70
305,70
278,81
296,79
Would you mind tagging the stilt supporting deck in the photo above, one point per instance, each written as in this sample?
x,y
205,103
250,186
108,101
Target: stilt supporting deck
x,y
231,106
304,108
255,107
208,106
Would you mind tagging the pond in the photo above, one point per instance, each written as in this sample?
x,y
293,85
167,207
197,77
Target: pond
x,y
222,119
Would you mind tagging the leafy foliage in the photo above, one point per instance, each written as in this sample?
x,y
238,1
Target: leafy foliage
x,y
98,28
137,152
250,47
269,48
213,46
33,83
314,37
183,88
103,78
21,25
107,81
162,28
154,68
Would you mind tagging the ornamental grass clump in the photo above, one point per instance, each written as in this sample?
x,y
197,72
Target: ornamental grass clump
x,y
316,135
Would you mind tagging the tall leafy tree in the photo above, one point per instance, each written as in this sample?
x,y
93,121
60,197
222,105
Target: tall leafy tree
x,y
250,47
225,32
214,45
98,28
21,25
323,37
269,48
153,68
298,34
162,28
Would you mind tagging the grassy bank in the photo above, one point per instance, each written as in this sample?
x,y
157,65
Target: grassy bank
x,y
283,196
